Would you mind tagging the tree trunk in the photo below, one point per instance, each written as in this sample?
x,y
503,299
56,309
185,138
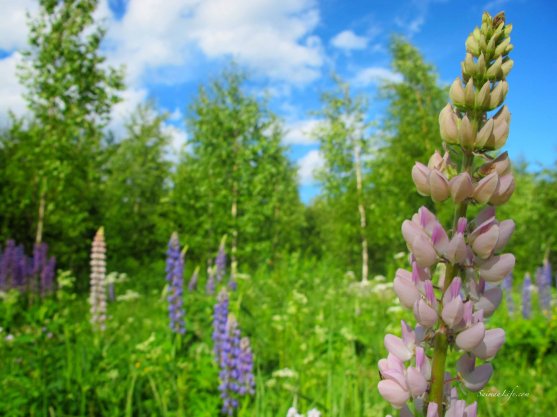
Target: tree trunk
x,y
234,213
362,211
40,217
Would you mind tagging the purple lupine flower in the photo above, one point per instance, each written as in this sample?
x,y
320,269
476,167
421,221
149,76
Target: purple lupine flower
x,y
175,278
98,287
229,367
20,268
220,317
220,261
233,355
508,288
527,297
192,285
247,381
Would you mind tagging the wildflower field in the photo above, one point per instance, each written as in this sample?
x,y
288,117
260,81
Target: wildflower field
x,y
142,279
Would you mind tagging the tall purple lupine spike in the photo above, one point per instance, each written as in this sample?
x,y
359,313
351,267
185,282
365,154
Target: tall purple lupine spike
x,y
508,287
233,355
246,379
452,309
98,287
175,279
220,317
527,297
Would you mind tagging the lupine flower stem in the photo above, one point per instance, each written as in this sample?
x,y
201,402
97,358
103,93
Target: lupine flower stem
x,y
441,344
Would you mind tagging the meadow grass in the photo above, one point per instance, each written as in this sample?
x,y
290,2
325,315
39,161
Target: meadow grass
x,y
316,333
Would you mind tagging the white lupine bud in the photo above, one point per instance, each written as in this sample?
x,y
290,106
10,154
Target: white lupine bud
x,y
482,97
420,174
507,66
484,134
480,66
498,94
485,188
448,125
500,49
469,96
472,45
467,133
468,66
495,71
456,93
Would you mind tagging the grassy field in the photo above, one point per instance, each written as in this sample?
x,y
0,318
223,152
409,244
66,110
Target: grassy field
x,y
316,335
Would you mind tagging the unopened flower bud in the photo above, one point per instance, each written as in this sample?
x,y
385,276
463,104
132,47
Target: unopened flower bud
x,y
425,315
393,392
469,66
439,186
420,174
405,288
467,133
448,124
490,345
504,190
484,134
500,49
496,268
472,45
461,187
473,378
484,243
489,301
457,250
456,93
469,96
506,229
485,188
501,165
416,382
471,337
498,94
480,65
437,161
482,97
494,72
507,30
507,65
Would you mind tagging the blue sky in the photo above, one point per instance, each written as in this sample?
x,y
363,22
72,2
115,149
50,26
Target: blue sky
x,y
290,48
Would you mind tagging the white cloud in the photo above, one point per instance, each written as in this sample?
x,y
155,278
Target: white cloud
x,y
178,138
121,112
308,164
374,75
272,38
11,91
13,30
299,132
349,40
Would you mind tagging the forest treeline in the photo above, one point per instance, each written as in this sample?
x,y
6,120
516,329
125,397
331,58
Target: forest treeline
x,y
63,174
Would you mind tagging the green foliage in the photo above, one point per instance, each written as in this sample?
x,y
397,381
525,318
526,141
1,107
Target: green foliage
x,y
135,191
317,335
70,93
234,160
344,141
